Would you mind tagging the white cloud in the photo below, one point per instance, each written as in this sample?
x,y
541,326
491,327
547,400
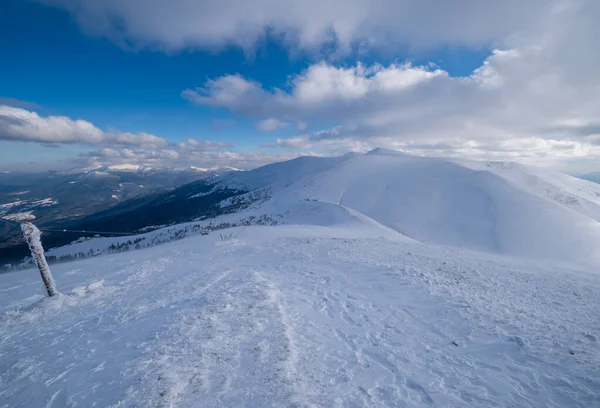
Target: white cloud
x,y
177,156
174,25
205,145
133,139
298,142
270,125
323,83
224,91
537,98
123,149
322,91
190,153
302,126
24,125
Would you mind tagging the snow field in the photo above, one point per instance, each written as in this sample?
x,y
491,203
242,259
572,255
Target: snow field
x,y
301,317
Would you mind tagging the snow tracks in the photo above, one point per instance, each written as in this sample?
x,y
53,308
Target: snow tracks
x,y
228,347
386,325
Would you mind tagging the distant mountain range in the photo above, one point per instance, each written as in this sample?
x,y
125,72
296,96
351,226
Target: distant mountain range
x,y
67,198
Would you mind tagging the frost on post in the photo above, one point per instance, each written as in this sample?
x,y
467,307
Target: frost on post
x,y
32,235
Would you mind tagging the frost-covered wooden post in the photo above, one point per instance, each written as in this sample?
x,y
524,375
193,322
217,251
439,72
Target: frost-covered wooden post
x,y
32,235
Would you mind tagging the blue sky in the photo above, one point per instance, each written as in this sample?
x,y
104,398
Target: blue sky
x,y
60,64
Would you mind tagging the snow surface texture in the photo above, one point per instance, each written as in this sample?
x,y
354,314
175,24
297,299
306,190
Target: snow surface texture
x,y
397,281
301,316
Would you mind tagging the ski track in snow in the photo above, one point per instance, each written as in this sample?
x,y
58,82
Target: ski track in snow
x,y
301,321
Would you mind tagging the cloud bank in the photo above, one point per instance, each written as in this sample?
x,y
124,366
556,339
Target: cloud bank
x,y
191,154
174,25
537,97
116,148
18,124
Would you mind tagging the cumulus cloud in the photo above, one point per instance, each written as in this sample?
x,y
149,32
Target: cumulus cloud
x,y
205,145
133,139
174,25
18,124
189,154
180,156
301,126
270,125
537,97
123,149
322,91
225,91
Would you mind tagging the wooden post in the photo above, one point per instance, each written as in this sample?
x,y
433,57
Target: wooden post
x,y
32,236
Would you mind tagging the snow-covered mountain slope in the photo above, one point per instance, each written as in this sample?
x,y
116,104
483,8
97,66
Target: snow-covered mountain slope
x,y
283,174
301,214
575,193
301,316
493,207
500,208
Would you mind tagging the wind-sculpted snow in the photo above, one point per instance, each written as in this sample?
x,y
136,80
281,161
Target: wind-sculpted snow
x,y
301,316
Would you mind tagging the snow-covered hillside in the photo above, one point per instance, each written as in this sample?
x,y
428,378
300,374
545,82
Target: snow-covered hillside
x,y
500,208
301,316
377,280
